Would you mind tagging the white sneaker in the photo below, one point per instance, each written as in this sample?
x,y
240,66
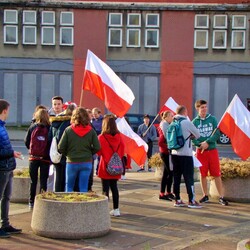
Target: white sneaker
x,y
123,177
115,212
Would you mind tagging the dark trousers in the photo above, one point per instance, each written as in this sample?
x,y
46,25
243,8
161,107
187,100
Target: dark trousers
x,y
60,170
183,165
44,174
112,184
6,179
150,151
91,177
167,177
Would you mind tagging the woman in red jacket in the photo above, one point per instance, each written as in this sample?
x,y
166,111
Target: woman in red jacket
x,y
111,142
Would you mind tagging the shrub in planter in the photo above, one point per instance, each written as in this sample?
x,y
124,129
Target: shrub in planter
x,y
70,215
235,176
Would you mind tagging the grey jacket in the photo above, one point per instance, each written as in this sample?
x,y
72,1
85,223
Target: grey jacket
x,y
188,128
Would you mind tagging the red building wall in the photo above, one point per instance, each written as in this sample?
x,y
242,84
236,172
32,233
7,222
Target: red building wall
x,y
90,33
177,58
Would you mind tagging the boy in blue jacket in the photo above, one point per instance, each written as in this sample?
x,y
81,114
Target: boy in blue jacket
x,y
7,165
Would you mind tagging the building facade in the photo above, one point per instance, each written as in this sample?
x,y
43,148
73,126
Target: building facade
x,y
182,49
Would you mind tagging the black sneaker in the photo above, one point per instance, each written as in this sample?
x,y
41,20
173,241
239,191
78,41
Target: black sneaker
x,y
164,197
171,196
11,230
204,199
31,206
223,202
140,170
3,234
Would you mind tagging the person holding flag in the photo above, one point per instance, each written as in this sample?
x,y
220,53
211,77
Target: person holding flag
x,y
206,150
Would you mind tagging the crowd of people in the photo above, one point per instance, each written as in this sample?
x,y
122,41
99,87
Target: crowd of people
x,y
85,136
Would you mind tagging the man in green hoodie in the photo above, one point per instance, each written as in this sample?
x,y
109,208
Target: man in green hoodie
x,y
207,152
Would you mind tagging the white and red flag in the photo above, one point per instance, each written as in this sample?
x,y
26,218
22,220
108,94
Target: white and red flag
x,y
235,123
134,145
170,104
102,81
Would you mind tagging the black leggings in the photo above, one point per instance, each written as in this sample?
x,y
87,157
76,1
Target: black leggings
x,y
112,184
167,177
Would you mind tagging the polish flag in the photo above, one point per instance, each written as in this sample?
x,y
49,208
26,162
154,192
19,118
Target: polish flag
x,y
170,104
101,81
235,123
135,147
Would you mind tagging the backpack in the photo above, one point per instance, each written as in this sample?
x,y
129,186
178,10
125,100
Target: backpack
x,y
115,165
175,138
39,142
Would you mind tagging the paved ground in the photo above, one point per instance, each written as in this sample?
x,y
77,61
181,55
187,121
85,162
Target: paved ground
x,y
148,223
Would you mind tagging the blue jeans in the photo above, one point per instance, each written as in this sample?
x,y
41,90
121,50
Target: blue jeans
x,y
6,179
80,169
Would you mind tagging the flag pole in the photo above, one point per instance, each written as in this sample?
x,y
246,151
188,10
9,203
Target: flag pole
x,y
210,136
150,125
80,103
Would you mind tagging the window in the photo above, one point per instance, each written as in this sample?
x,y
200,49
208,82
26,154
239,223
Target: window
x,y
219,39
29,17
29,34
238,39
152,38
201,39
48,36
66,36
10,34
67,19
239,22
201,21
48,18
10,17
66,32
115,19
152,20
134,20
220,22
133,37
115,37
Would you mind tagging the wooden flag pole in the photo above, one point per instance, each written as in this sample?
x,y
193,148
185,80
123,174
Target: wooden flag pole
x,y
210,136
150,125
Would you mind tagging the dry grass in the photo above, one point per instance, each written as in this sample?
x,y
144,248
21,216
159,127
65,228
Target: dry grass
x,y
155,161
233,168
21,172
70,197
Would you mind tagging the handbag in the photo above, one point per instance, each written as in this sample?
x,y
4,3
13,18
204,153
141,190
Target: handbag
x,y
55,156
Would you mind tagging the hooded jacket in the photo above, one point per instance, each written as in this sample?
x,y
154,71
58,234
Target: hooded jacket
x,y
107,141
7,159
79,143
206,127
188,128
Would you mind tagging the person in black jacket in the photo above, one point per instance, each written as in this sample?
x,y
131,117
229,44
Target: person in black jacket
x,y
7,165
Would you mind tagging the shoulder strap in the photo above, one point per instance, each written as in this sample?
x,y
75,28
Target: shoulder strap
x,y
57,130
110,145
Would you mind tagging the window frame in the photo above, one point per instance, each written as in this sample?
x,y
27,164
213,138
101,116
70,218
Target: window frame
x,y
151,25
133,25
10,26
196,21
46,23
195,39
139,38
35,37
72,18
42,35
109,40
225,39
35,17
233,22
243,39
115,25
72,36
157,40
220,26
5,16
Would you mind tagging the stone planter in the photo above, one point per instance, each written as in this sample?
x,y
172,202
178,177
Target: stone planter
x,y
71,220
236,189
158,173
20,190
243,245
